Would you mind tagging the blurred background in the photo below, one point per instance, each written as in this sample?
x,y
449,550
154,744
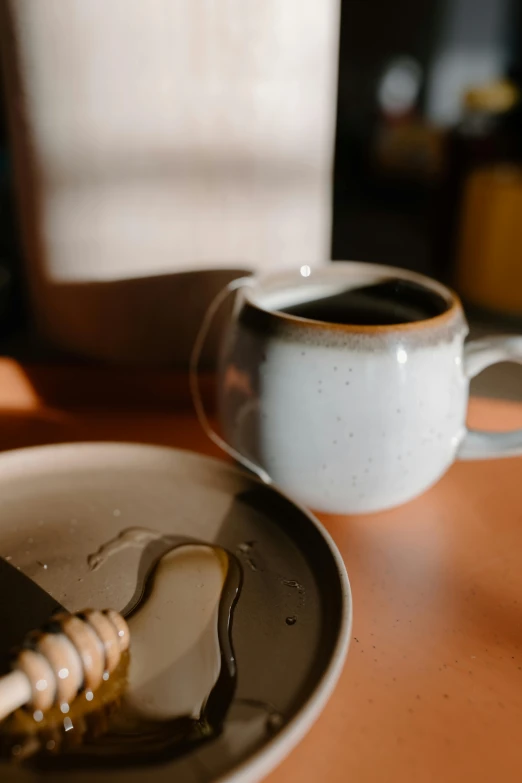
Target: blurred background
x,y
368,130
429,121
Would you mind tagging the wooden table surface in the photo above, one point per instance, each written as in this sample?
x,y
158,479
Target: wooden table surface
x,y
432,688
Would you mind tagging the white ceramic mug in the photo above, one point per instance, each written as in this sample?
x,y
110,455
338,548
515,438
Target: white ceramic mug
x,y
353,418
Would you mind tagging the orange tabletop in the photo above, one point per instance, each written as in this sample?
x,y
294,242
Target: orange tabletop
x,y
432,688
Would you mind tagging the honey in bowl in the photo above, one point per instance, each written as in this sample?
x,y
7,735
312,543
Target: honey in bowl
x,y
175,688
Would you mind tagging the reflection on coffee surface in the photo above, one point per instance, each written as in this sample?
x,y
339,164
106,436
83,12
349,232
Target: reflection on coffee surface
x,y
391,302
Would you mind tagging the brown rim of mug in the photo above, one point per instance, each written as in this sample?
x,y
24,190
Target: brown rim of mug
x,y
454,310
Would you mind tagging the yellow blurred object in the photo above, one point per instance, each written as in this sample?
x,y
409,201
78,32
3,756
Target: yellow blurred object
x,y
489,260
494,97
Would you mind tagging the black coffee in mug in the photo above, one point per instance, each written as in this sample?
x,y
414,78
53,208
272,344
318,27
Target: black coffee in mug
x,y
394,301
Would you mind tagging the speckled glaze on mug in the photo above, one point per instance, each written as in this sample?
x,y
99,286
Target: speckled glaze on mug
x,y
352,418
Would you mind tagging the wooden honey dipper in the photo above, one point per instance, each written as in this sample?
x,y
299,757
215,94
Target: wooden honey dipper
x,y
73,651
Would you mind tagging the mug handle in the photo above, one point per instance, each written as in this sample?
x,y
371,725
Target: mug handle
x,y
479,354
197,400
